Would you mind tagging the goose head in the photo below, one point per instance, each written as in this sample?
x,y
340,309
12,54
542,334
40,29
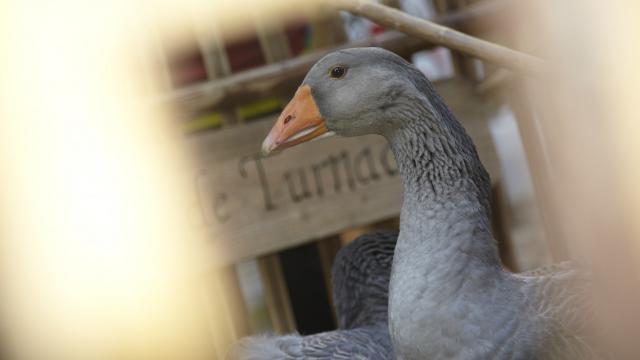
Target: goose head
x,y
349,92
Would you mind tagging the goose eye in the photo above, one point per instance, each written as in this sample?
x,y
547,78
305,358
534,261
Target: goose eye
x,y
337,72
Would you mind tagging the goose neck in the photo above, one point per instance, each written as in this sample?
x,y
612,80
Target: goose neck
x,y
445,214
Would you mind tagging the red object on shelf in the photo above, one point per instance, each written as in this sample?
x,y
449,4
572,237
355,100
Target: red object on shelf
x,y
297,38
244,54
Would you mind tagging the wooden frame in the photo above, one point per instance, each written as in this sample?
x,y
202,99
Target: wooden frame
x,y
228,159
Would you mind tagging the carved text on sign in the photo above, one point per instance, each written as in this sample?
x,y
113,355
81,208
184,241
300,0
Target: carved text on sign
x,y
335,173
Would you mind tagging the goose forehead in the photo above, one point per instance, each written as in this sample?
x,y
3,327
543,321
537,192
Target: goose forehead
x,y
369,57
341,56
355,56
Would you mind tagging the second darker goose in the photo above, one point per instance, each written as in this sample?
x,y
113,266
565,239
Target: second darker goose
x,y
360,280
449,296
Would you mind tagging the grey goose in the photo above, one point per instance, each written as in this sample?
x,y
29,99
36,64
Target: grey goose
x,y
449,296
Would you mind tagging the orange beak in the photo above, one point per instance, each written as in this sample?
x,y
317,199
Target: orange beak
x,y
299,122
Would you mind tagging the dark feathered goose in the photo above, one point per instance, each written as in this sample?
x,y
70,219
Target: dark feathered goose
x,y
449,295
360,280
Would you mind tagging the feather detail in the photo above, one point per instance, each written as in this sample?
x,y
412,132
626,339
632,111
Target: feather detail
x,y
360,280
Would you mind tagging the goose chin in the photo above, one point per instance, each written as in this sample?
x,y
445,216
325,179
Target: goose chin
x,y
302,133
271,143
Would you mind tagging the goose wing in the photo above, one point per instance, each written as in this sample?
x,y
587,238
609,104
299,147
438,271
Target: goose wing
x,y
371,343
360,281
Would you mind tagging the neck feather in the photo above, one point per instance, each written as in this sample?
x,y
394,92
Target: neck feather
x,y
435,155
446,191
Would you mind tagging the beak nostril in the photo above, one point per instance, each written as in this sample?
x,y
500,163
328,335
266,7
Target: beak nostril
x,y
288,118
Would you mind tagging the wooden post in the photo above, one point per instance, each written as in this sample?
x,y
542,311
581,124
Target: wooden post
x,y
327,250
221,293
536,151
228,313
276,294
272,40
226,310
215,59
330,29
500,224
275,47
235,303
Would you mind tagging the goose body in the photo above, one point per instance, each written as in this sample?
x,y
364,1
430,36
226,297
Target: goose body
x,y
360,280
449,296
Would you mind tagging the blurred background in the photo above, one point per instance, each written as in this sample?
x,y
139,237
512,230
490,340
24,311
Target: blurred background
x,y
139,220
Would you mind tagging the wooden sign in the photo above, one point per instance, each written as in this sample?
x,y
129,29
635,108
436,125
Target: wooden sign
x,y
251,205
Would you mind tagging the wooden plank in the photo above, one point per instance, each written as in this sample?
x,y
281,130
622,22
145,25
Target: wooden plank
x,y
225,308
302,271
535,145
232,320
327,250
276,294
272,40
328,29
215,58
275,47
220,323
252,205
500,225
235,305
211,48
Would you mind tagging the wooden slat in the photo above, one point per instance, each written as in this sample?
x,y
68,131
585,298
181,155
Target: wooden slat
x,y
500,225
211,48
276,294
215,59
220,321
275,47
253,206
327,250
272,40
533,139
235,302
444,36
232,320
223,301
328,29
225,308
